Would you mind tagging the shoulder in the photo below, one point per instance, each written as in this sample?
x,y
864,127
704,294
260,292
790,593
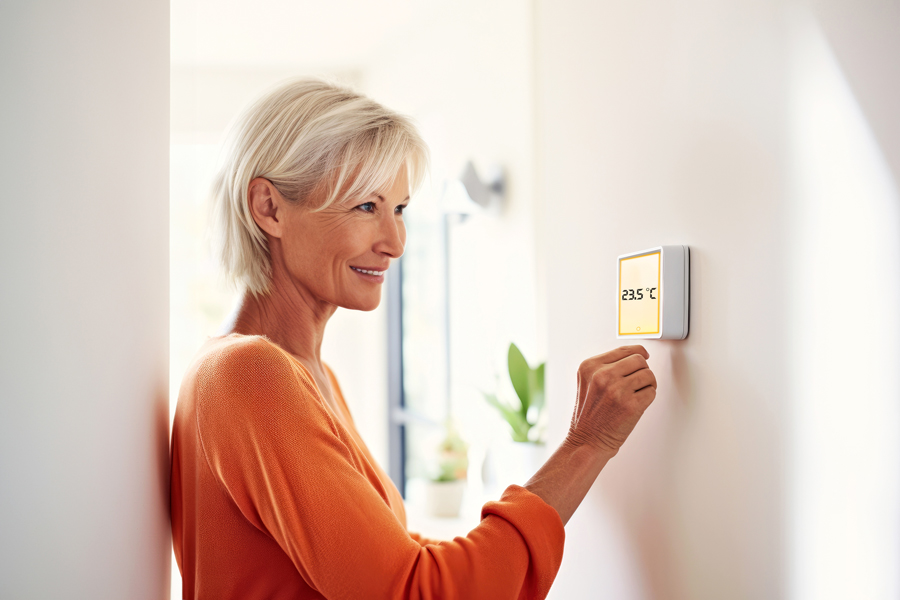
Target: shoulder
x,y
242,367
239,352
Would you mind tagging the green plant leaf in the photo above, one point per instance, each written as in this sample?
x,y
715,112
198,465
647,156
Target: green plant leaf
x,y
516,421
509,415
519,437
537,387
519,375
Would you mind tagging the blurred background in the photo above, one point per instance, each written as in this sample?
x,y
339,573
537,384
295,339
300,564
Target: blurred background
x,y
764,134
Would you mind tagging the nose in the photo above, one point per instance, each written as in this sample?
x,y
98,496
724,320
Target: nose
x,y
391,236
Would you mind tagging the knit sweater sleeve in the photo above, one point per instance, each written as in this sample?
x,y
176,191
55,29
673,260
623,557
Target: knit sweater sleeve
x,y
278,453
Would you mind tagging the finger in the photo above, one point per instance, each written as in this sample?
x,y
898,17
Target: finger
x,y
628,365
622,352
641,379
645,396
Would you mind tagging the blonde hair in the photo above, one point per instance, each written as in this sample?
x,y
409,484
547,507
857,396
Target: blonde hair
x,y
318,143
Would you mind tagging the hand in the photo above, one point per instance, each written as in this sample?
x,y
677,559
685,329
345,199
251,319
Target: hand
x,y
614,390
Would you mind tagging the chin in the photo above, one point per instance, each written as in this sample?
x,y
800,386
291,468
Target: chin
x,y
366,305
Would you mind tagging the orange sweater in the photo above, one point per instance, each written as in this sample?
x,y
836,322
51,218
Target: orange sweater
x,y
276,496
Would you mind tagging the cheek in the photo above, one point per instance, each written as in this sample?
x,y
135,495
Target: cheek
x,y
304,250
297,246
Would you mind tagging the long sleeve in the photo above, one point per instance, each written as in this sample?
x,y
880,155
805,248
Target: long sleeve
x,y
422,540
287,464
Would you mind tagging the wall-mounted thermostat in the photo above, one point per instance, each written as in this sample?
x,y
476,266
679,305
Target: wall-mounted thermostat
x,y
654,293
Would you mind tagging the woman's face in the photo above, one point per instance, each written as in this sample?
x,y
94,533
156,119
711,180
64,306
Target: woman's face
x,y
340,254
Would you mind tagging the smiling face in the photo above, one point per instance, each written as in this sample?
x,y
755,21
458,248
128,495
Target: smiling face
x,y
339,255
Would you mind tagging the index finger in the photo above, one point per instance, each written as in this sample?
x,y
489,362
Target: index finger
x,y
623,352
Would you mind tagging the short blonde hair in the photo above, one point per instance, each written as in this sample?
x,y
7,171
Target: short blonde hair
x,y
318,143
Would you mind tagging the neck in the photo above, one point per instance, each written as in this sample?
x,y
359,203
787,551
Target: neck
x,y
289,316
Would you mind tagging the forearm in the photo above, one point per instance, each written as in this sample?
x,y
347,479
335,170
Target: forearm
x,y
564,480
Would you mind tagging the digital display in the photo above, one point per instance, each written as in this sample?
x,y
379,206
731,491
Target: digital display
x,y
639,294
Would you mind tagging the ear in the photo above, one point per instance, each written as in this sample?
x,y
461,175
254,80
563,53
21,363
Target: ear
x,y
267,206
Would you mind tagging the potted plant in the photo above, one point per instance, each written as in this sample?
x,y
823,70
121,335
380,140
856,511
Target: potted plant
x,y
518,460
444,492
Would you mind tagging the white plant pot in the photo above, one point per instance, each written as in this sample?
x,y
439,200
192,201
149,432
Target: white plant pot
x,y
444,498
513,462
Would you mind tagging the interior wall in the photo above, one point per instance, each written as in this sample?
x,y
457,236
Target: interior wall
x,y
755,133
663,124
84,300
843,468
863,39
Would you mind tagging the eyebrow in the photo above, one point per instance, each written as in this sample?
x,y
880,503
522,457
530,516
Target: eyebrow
x,y
380,197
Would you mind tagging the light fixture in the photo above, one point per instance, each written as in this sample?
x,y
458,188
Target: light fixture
x,y
487,194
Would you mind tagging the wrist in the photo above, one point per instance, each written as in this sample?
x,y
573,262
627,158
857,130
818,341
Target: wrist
x,y
586,458
586,446
564,480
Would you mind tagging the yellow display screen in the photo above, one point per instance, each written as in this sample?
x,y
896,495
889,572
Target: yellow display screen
x,y
639,294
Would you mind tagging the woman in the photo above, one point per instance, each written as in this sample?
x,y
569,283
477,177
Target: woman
x,y
274,494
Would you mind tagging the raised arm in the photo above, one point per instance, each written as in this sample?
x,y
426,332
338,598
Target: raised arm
x,y
614,390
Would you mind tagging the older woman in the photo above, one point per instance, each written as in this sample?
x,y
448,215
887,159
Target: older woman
x,y
274,493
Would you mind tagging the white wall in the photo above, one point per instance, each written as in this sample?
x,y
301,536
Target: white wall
x,y
844,461
690,123
84,300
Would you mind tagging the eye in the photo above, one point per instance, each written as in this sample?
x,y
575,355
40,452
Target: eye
x,y
399,210
367,207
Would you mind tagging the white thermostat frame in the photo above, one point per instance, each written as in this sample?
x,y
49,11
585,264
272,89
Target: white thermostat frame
x,y
675,298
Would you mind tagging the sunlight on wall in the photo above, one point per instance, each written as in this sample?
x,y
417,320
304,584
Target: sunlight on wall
x,y
845,290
